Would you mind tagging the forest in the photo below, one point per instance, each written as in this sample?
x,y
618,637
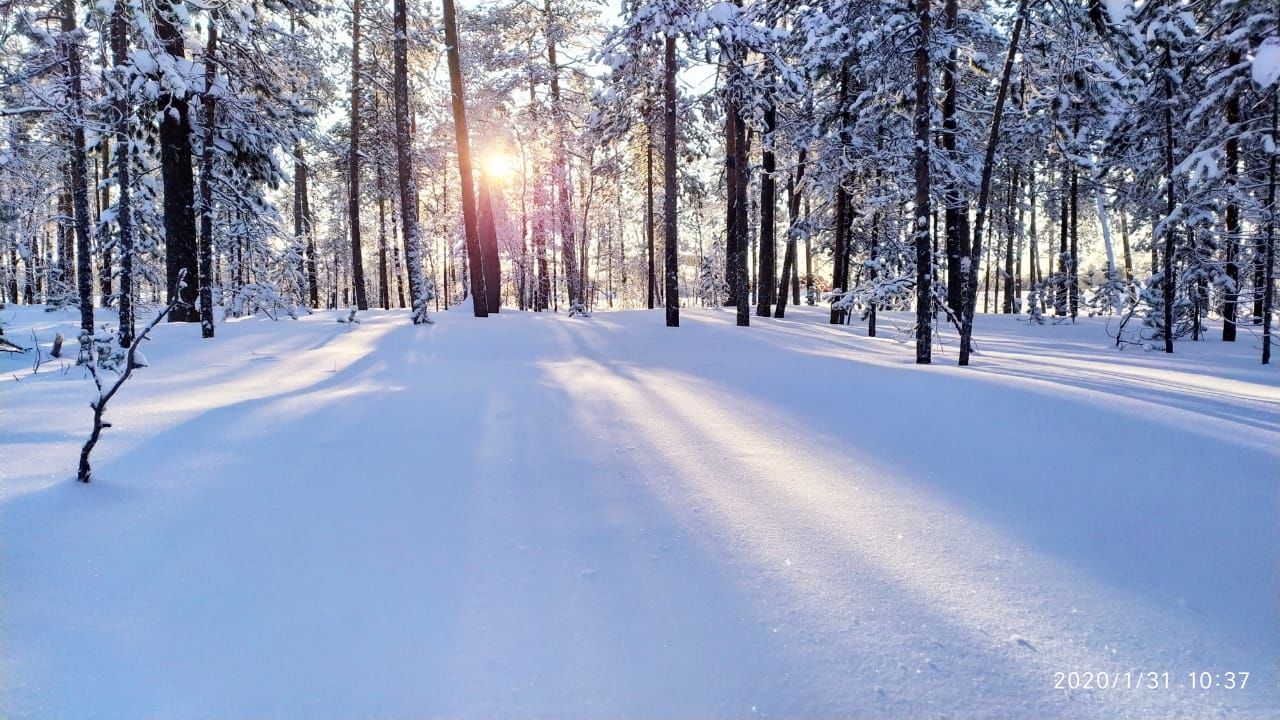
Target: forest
x,y
639,358
1048,159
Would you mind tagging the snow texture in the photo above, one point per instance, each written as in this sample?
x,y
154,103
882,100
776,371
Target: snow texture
x,y
1266,63
531,516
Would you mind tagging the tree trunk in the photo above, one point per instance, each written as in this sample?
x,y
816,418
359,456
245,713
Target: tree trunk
x,y
1073,267
1167,283
1231,296
739,281
808,259
101,166
789,265
1107,244
489,245
1035,271
14,294
542,295
648,219
840,248
768,251
66,270
124,181
384,287
475,258
669,189
1019,251
731,193
178,179
302,224
1060,302
206,185
986,280
79,183
957,208
404,151
353,165
1006,305
924,249
569,250
1269,238
1124,243
873,255
984,189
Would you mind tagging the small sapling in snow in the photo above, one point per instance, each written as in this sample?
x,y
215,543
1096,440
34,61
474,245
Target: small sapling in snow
x,y
350,320
105,394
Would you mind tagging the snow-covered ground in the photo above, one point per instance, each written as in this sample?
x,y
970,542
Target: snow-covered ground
x,y
537,516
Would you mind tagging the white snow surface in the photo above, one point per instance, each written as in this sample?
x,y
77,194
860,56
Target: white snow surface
x,y
533,516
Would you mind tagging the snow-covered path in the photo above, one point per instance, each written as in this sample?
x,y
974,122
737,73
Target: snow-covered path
x,y
536,516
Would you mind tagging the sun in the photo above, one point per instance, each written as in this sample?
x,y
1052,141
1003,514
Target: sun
x,y
497,165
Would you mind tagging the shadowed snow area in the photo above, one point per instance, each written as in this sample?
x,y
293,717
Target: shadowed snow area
x,y
535,516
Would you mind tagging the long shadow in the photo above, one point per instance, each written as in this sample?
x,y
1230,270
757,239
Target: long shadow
x,y
1248,414
1109,507
251,589
836,577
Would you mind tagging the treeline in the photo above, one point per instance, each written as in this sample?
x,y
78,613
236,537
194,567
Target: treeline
x,y
1062,157
948,157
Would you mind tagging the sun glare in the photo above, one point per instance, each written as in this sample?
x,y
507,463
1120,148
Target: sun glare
x,y
498,166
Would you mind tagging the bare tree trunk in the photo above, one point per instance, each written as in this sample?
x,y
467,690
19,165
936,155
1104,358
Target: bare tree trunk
x,y
65,268
1006,306
1269,255
14,294
1019,228
474,256
873,272
789,264
739,281
1073,268
302,224
178,179
669,197
986,280
984,189
353,165
1167,282
1036,273
957,208
1231,296
924,249
1124,242
648,220
542,295
768,252
384,288
489,245
731,193
206,184
79,183
101,166
808,260
569,250
124,181
404,154
840,249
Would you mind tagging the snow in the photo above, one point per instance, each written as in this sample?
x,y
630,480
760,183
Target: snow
x,y
534,516
723,13
1266,63
1118,10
